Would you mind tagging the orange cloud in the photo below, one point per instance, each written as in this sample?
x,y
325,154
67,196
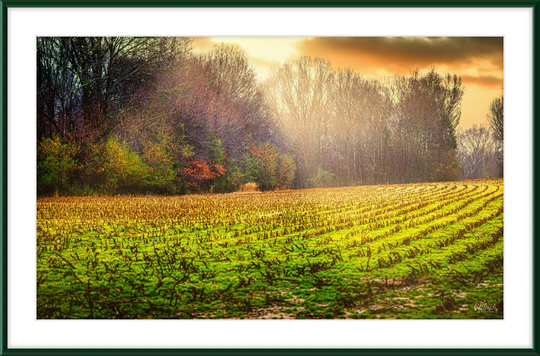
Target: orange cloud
x,y
483,80
477,60
400,55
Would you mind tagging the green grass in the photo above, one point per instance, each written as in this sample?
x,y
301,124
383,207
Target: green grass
x,y
413,251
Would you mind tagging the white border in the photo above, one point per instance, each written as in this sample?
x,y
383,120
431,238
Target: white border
x,y
514,332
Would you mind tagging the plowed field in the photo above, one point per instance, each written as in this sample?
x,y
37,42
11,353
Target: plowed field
x,y
413,251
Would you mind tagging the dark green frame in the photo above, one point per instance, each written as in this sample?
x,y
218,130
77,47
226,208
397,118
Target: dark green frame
x,y
5,4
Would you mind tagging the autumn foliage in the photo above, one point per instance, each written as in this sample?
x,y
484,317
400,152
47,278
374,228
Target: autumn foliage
x,y
149,116
199,171
130,115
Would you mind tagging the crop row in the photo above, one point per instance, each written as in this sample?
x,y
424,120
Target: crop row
x,y
319,253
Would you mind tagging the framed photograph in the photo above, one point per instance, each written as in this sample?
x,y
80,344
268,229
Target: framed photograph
x,y
268,178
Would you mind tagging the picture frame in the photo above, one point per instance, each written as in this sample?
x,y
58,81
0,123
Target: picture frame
x,y
6,229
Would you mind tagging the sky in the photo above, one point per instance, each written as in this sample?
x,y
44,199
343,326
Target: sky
x,y
477,60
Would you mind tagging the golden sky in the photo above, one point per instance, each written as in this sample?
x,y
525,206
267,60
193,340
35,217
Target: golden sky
x,y
477,60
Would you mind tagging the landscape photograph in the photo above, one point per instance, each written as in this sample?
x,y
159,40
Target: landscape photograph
x,y
270,178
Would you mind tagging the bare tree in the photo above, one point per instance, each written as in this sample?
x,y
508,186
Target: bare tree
x,y
84,81
298,94
495,118
477,152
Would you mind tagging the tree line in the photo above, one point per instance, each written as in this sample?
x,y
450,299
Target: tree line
x,y
119,115
148,115
344,129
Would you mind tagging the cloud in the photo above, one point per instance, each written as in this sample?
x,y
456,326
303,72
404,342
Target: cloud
x,y
400,55
483,80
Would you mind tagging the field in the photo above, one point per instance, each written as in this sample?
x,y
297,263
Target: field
x,y
414,251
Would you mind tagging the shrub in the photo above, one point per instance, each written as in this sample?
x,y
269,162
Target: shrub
x,y
286,171
124,170
161,175
262,165
199,173
56,164
322,179
269,168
